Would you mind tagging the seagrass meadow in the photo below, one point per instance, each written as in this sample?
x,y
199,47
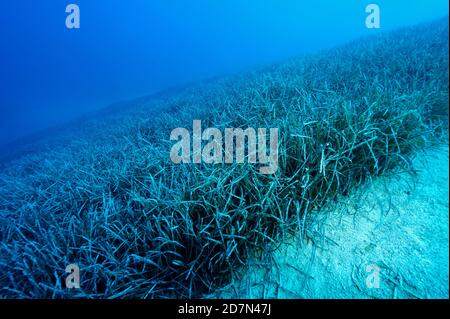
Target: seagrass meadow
x,y
105,195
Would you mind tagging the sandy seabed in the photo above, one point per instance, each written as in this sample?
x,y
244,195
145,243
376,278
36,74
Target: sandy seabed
x,y
397,226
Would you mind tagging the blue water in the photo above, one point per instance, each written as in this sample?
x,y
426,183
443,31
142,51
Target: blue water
x,y
50,74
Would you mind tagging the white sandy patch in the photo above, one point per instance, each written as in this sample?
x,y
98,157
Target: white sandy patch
x,y
397,225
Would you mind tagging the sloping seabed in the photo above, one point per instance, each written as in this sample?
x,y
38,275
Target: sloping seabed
x,y
108,198
398,223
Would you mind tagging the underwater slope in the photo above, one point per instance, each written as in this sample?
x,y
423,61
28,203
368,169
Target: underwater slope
x,y
399,223
109,199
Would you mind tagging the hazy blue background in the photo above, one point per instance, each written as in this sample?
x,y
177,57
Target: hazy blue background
x,y
49,74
